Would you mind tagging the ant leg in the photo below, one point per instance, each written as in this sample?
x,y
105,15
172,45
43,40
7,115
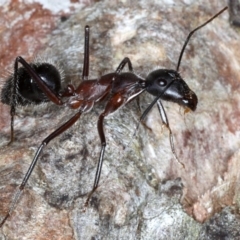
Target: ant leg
x,y
145,113
49,93
114,103
86,54
125,61
166,124
57,132
12,114
70,91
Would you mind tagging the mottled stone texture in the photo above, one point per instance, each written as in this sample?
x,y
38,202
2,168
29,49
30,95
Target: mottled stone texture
x,y
234,12
144,193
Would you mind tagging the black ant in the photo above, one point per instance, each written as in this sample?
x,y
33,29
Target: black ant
x,y
37,83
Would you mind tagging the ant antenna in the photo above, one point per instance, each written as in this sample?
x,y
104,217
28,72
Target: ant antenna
x,y
192,32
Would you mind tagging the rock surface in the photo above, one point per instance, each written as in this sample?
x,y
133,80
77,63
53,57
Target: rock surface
x,y
144,193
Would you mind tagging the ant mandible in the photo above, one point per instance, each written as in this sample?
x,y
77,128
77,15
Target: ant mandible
x,y
41,82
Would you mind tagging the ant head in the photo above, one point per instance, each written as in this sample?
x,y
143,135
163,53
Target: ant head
x,y
168,85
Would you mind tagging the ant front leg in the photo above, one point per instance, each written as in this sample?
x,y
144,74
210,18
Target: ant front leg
x,y
145,113
165,122
57,132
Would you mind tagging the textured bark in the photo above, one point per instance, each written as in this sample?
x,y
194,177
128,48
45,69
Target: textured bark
x,y
144,193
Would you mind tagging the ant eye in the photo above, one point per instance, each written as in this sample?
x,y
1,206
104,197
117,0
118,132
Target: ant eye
x,y
185,101
162,82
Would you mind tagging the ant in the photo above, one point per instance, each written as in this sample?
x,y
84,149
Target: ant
x,y
41,82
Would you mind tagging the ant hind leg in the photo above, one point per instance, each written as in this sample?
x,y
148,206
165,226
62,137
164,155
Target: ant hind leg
x,y
57,132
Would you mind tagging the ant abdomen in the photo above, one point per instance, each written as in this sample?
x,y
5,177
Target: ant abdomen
x,y
27,90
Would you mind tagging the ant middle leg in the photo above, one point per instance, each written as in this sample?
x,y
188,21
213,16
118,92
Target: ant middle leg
x,y
113,104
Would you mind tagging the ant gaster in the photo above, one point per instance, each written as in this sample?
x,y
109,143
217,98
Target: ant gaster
x,y
37,83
